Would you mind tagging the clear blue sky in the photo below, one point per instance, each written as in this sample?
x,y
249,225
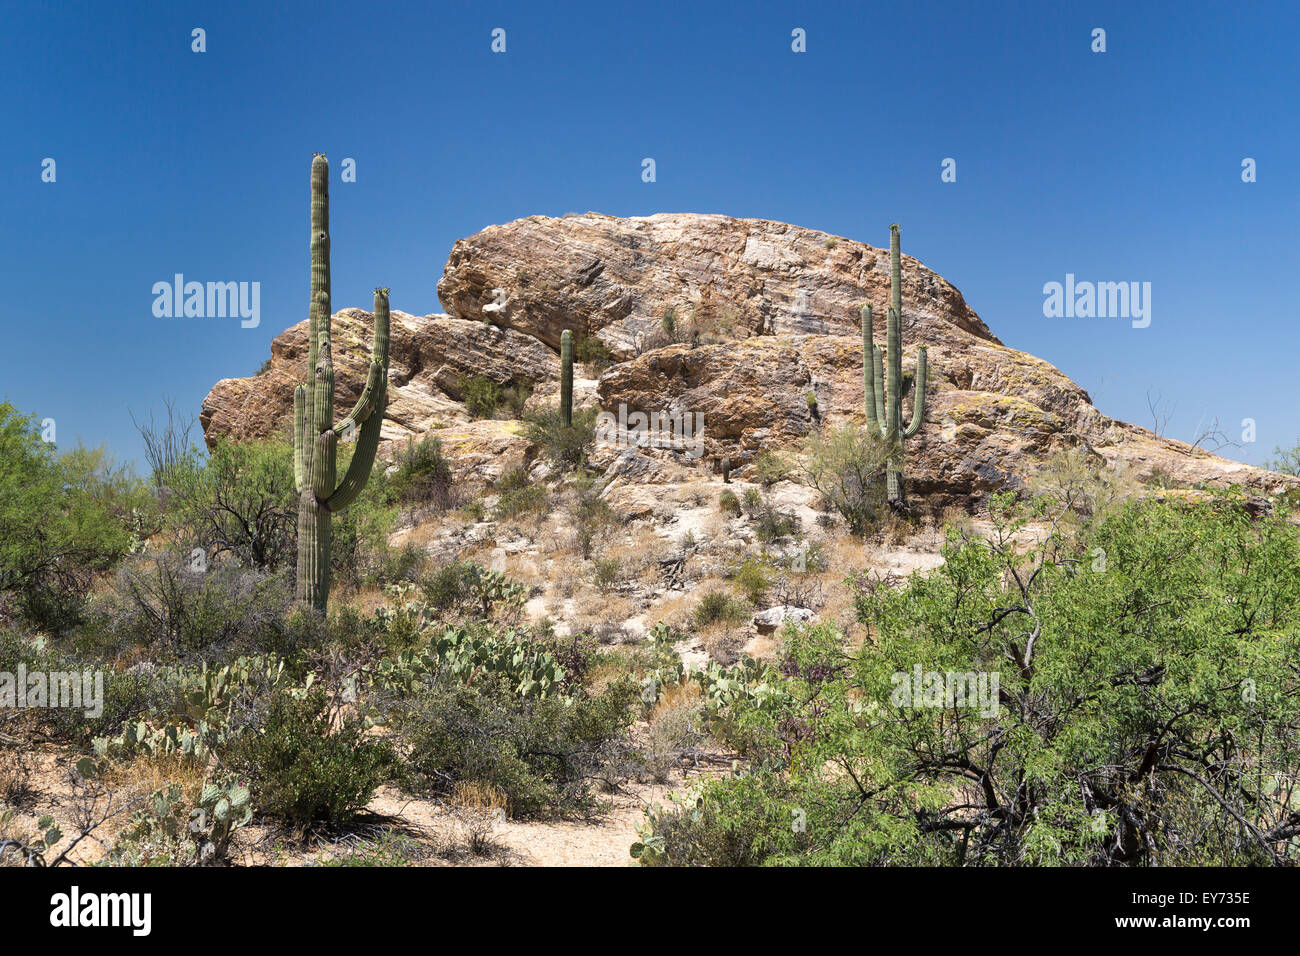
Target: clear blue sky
x,y
1117,166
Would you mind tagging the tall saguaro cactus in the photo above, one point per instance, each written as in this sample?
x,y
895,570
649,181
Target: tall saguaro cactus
x,y
315,434
883,385
566,378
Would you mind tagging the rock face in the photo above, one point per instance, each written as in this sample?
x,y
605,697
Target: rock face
x,y
780,308
614,278
429,359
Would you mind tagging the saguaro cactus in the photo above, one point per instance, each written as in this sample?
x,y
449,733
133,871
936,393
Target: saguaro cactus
x,y
566,378
315,435
883,387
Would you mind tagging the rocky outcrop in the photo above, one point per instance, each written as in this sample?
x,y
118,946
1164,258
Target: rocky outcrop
x,y
615,278
780,306
429,359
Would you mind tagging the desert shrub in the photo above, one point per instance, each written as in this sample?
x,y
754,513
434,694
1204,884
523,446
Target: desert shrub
x,y
448,588
307,767
1286,461
138,690
481,396
716,606
607,573
63,518
461,586
770,523
1084,487
591,513
753,578
541,754
359,548
516,479
591,352
514,398
521,502
769,467
423,475
846,467
240,501
675,731
179,604
742,823
566,446
1122,662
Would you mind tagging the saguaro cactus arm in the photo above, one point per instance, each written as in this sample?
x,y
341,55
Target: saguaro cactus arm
x,y
869,369
918,394
299,426
369,412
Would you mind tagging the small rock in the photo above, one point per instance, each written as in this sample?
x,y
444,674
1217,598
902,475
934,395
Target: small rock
x,y
769,620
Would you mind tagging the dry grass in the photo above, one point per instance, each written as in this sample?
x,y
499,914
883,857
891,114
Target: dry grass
x,y
143,775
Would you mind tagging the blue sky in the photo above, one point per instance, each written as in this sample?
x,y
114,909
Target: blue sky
x,y
1122,166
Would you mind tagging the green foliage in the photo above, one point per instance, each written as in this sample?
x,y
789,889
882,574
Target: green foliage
x,y
481,396
716,606
728,503
63,518
769,467
753,578
845,466
1285,460
565,445
542,753
591,352
423,475
310,766
181,604
1146,710
607,573
591,513
240,501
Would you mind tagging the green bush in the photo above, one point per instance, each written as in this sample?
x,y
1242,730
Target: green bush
x,y
591,352
240,501
423,475
63,518
753,578
566,446
542,754
718,606
304,769
481,396
1078,700
847,467
178,604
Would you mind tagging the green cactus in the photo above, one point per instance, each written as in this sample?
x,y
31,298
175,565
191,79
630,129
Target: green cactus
x,y
566,378
883,386
315,435
726,471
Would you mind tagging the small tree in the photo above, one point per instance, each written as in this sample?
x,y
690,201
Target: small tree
x,y
847,468
241,502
